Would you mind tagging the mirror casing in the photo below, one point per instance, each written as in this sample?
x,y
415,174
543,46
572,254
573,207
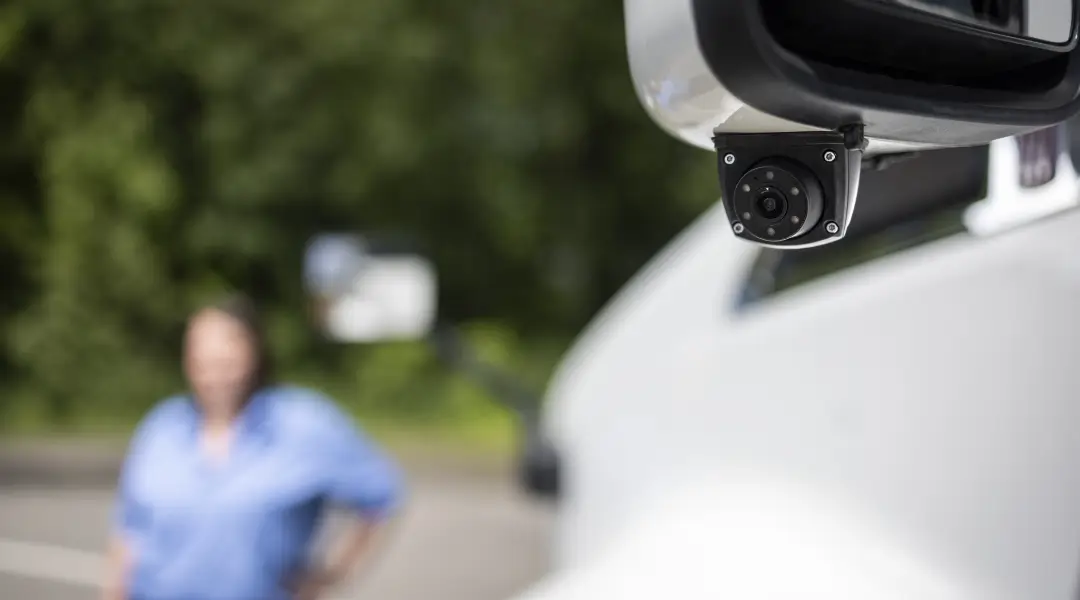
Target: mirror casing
x,y
907,75
916,81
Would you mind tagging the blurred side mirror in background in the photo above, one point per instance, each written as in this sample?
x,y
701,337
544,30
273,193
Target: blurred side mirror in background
x,y
366,290
363,293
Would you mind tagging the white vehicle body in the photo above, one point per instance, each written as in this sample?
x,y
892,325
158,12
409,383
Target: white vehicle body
x,y
905,428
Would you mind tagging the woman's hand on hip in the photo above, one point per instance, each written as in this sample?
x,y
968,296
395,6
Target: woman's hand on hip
x,y
313,585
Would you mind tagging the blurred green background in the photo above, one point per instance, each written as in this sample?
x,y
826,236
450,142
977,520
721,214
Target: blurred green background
x,y
158,153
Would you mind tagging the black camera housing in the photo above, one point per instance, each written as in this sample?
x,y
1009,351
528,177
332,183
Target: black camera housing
x,y
790,190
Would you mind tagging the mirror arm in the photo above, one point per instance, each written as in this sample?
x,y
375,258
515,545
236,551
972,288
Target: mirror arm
x,y
504,387
540,464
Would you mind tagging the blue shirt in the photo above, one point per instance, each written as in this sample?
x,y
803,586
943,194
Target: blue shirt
x,y
238,529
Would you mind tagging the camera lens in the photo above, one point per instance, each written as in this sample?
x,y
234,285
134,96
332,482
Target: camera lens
x,y
775,201
770,204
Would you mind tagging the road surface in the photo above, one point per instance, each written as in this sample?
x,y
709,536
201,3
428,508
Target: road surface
x,y
467,538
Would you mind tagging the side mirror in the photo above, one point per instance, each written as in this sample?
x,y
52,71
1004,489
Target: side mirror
x,y
914,73
364,292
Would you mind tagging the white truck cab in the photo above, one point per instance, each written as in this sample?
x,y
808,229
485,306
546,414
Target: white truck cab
x,y
894,417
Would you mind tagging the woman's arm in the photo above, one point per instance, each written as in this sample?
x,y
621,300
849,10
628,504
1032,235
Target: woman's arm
x,y
127,518
364,481
117,566
344,559
351,548
119,554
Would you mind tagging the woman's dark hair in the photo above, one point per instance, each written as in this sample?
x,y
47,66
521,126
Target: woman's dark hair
x,y
244,311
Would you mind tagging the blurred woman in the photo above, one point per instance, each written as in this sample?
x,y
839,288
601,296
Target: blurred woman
x,y
223,488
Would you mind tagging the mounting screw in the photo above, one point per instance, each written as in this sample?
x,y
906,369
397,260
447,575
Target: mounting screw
x,y
729,159
832,228
738,228
829,156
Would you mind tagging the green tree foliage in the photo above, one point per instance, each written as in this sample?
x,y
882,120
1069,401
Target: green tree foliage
x,y
158,152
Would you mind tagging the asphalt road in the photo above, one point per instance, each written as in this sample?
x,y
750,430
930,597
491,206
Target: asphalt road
x,y
467,538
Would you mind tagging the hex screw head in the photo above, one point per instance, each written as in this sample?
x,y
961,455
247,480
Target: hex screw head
x,y
738,228
729,159
832,228
829,156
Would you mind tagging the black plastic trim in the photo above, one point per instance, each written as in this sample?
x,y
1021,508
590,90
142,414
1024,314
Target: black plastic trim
x,y
917,201
897,11
875,36
749,63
